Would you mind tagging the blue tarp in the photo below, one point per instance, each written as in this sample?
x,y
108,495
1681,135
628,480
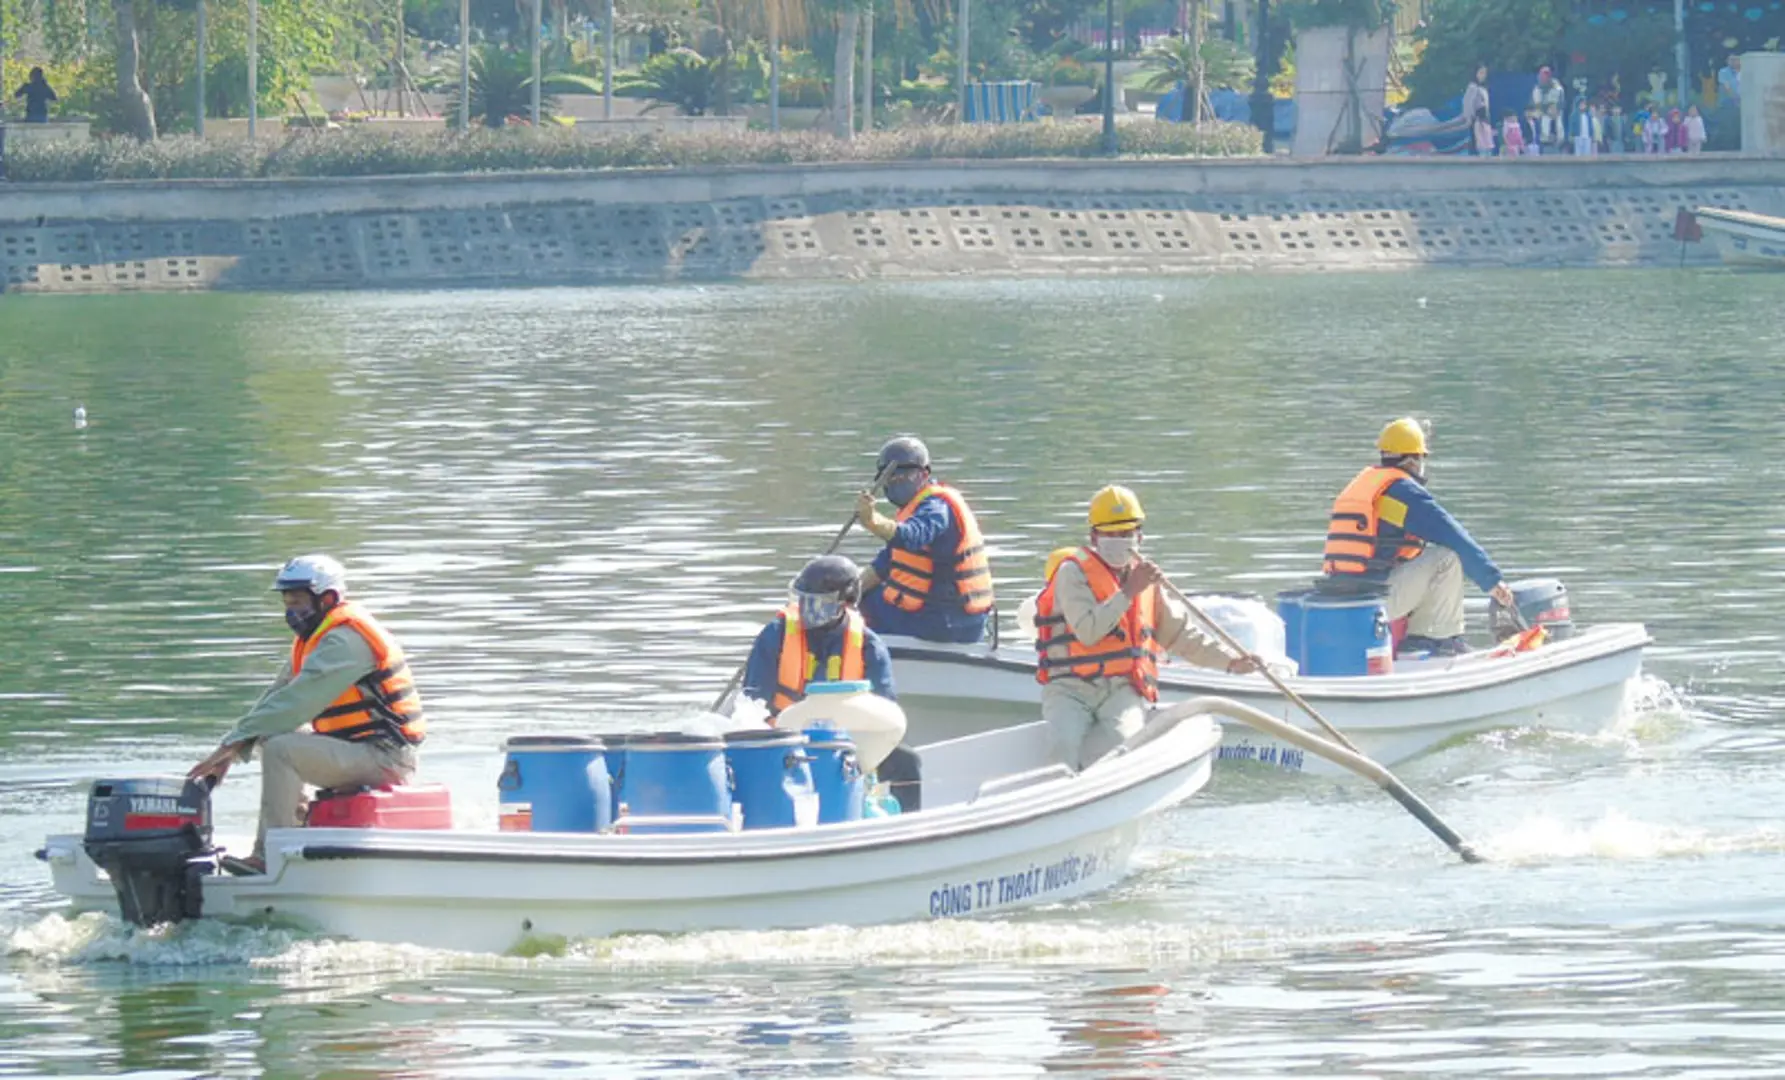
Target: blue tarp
x,y
1230,105
1001,102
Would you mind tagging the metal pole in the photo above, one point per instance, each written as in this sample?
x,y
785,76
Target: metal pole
x,y
1679,48
253,66
397,67
774,65
868,69
607,64
1263,107
464,65
198,108
961,48
1109,77
537,15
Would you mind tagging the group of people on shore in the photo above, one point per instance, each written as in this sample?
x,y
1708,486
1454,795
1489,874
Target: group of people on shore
x,y
1547,126
344,709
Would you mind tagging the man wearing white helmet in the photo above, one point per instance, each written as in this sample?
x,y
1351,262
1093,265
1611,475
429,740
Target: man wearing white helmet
x,y
347,682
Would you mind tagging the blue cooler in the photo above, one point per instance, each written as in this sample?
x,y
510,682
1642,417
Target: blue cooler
x,y
771,779
674,775
836,774
1343,635
554,783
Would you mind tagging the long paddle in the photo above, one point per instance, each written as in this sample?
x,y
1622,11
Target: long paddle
x,y
737,676
1364,765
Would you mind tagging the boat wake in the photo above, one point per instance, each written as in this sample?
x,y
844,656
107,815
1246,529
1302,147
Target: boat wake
x,y
1058,936
1619,837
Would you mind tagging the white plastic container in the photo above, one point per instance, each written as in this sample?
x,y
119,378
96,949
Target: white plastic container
x,y
874,723
1250,621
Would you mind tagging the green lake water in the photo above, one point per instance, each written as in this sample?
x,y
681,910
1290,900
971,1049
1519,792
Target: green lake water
x,y
576,506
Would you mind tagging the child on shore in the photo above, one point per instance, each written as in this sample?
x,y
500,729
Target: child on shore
x,y
1617,131
1694,131
1512,135
1654,131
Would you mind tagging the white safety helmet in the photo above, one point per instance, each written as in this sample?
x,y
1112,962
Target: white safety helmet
x,y
315,573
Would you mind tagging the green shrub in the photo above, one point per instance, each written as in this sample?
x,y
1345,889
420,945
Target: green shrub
x,y
352,152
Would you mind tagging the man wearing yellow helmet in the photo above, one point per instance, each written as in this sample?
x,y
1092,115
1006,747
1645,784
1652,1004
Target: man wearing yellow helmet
x,y
1102,625
1387,531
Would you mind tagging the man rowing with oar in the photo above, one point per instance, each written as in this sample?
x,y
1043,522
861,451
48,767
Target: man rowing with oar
x,y
932,580
1101,626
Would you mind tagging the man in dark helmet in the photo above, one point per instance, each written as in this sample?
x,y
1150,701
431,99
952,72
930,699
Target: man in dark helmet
x,y
818,637
932,580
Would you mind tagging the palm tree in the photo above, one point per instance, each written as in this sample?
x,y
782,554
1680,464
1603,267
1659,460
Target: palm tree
x,y
502,85
683,78
1174,61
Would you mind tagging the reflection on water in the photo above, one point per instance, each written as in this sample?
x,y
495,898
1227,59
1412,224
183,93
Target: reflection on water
x,y
575,507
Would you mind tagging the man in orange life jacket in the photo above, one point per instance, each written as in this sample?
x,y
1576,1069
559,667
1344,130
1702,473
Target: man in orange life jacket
x,y
347,681
1388,531
932,580
818,637
1101,626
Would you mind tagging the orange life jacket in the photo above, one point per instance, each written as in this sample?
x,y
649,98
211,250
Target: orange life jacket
x,y
913,573
384,703
1354,540
799,667
1130,649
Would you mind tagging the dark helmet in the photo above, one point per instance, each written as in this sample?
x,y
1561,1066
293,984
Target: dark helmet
x,y
902,452
829,574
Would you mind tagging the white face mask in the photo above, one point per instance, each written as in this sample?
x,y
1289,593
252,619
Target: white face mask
x,y
1116,550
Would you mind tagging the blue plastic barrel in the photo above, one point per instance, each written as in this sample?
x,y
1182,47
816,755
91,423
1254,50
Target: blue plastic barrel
x,y
771,779
675,775
1345,635
836,774
1290,609
554,783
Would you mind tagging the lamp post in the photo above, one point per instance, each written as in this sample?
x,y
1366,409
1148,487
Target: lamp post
x,y
253,66
1679,49
464,66
533,109
198,106
1109,77
960,114
1263,107
607,64
774,65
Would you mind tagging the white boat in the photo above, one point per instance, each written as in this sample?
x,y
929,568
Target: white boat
x,y
1580,684
1002,827
1743,238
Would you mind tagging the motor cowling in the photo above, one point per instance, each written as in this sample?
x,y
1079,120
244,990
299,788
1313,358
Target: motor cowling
x,y
152,837
1542,601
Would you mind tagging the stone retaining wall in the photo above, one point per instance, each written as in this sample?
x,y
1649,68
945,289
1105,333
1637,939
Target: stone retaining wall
x,y
870,220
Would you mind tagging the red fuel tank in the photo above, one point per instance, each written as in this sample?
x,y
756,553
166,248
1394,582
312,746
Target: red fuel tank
x,y
404,806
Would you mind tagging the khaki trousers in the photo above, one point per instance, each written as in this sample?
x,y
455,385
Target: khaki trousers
x,y
1087,718
1429,591
288,762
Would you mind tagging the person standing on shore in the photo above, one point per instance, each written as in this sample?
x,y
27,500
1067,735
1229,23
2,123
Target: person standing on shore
x,y
38,95
1476,107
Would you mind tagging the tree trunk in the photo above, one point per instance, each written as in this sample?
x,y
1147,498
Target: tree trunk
x,y
139,111
843,85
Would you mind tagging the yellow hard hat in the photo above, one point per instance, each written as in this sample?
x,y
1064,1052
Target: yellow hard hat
x,y
1054,559
1402,437
1116,509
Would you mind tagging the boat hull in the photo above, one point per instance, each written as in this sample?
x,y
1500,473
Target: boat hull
x,y
1579,684
1744,239
1055,839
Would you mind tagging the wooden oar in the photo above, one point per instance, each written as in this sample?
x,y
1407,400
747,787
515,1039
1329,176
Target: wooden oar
x,y
1353,760
737,676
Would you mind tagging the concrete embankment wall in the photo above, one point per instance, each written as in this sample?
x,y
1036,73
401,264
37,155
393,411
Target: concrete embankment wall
x,y
869,220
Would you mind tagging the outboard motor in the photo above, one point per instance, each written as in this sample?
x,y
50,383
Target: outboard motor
x,y
1542,601
150,836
